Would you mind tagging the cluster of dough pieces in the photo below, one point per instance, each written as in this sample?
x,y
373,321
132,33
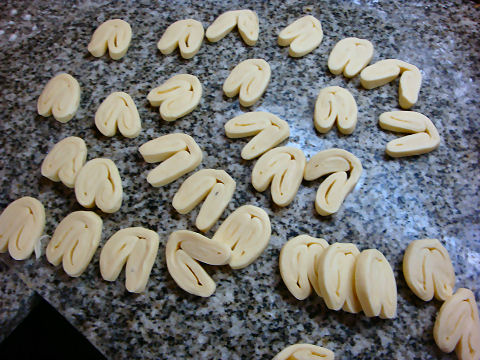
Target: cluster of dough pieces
x,y
429,272
352,280
342,275
239,240
76,240
181,94
339,273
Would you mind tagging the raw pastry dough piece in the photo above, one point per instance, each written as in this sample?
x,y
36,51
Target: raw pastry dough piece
x,y
283,167
299,264
21,225
98,183
215,186
114,35
333,190
60,97
269,131
249,79
425,136
186,34
385,71
65,160
74,241
137,247
335,103
179,152
247,21
303,36
247,232
457,326
350,55
304,352
375,284
176,97
336,277
118,109
428,270
183,249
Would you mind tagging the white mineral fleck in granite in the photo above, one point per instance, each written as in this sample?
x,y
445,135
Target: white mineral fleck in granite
x,y
251,315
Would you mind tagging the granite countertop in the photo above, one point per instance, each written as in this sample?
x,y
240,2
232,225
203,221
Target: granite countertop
x,y
251,315
17,299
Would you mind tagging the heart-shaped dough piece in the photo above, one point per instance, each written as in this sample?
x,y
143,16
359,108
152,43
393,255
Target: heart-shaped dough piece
x,y
215,186
246,20
65,160
21,225
183,250
99,183
303,36
60,98
114,35
136,247
424,138
299,264
74,241
179,154
176,97
282,167
118,110
269,131
345,169
428,270
186,34
249,80
246,231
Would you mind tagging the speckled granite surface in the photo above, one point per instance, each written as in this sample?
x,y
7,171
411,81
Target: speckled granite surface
x,y
251,315
16,300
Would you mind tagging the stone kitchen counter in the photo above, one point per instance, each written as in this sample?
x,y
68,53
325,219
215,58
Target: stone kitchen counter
x,y
251,315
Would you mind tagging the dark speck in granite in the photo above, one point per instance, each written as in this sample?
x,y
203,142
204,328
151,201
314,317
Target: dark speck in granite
x,y
251,315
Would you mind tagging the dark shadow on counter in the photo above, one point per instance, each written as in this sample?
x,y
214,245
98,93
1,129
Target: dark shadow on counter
x,y
45,334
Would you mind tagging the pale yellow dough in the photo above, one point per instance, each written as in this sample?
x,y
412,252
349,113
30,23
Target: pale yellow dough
x,y
136,247
335,104
424,138
282,167
65,160
375,284
215,186
183,250
384,71
118,110
179,154
268,131
247,232
186,34
74,241
304,352
246,20
299,264
336,277
21,225
176,97
98,183
333,190
303,36
114,35
428,270
249,80
60,98
350,56
457,326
